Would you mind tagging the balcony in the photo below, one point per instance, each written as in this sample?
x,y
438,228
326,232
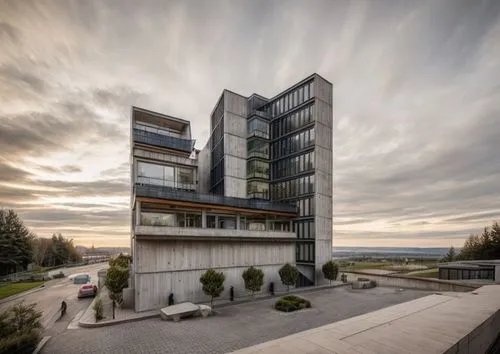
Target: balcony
x,y
169,142
166,183
161,192
186,233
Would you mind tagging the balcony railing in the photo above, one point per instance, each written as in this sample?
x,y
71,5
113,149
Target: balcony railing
x,y
170,142
166,183
152,191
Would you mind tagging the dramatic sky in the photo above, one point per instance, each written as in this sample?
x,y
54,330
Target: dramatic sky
x,y
416,104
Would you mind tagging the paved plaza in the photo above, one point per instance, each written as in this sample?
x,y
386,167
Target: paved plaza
x,y
234,327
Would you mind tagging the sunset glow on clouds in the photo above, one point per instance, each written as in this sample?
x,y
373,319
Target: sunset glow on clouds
x,y
416,104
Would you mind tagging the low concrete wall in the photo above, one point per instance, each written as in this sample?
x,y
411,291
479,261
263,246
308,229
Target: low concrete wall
x,y
480,339
401,281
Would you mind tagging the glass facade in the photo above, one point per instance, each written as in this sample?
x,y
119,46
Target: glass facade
x,y
166,175
292,131
217,147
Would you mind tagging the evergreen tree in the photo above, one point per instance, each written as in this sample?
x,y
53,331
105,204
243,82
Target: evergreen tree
x,y
16,243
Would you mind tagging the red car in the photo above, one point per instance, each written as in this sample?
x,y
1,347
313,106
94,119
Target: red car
x,y
87,290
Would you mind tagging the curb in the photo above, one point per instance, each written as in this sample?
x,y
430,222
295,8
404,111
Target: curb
x,y
24,293
41,344
116,322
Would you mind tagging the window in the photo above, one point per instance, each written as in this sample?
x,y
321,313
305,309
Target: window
x,y
226,222
157,219
311,89
306,92
185,177
301,95
294,94
286,103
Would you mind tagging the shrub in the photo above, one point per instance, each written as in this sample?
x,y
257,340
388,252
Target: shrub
x,y
98,309
330,270
289,275
254,279
19,329
291,303
213,284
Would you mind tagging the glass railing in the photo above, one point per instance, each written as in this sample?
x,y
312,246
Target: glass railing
x,y
257,153
163,192
166,183
150,138
261,114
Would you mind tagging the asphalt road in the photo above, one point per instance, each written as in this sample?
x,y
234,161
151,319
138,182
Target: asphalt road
x,y
49,299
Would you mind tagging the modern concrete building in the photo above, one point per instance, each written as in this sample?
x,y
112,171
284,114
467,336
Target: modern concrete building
x,y
258,194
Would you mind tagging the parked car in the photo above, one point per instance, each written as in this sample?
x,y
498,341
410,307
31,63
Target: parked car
x,y
87,290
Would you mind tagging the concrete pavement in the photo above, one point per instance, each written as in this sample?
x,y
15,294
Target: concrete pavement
x,y
233,327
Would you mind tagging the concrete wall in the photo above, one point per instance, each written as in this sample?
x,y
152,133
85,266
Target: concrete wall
x,y
235,145
399,281
323,163
176,266
208,233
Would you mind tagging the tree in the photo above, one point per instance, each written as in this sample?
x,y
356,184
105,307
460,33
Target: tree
x,y
450,256
213,284
116,281
330,270
16,243
484,246
121,260
289,275
254,279
41,247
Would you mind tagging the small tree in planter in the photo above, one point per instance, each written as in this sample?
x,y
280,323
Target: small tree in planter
x,y
254,279
289,275
330,271
213,284
116,281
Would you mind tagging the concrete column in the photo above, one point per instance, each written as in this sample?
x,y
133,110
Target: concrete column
x,y
203,219
237,221
137,212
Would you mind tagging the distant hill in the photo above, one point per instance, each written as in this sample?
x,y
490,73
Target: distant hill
x,y
420,252
112,250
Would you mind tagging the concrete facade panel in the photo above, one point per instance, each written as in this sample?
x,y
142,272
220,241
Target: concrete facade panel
x,y
208,233
235,146
235,167
235,103
176,266
235,124
323,90
235,187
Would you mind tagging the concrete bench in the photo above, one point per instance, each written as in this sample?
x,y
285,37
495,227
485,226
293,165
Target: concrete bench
x,y
176,312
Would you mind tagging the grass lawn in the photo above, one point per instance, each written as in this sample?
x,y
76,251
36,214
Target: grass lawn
x,y
431,273
366,265
16,288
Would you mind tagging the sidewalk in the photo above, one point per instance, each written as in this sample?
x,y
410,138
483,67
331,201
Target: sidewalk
x,y
129,315
121,315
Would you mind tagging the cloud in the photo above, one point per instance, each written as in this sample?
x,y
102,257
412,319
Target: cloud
x,y
415,103
8,32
